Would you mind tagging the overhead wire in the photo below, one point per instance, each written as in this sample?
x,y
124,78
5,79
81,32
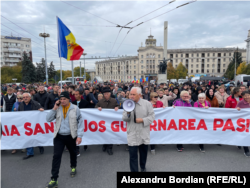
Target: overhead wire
x,y
88,12
27,37
68,24
153,18
26,31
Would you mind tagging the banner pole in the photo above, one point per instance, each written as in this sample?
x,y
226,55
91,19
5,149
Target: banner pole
x,y
58,38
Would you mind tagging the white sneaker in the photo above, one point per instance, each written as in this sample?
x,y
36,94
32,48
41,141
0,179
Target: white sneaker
x,y
153,152
78,154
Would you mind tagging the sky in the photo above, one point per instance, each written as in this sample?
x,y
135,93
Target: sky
x,y
200,24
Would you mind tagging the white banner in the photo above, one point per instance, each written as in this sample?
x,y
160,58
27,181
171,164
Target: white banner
x,y
178,125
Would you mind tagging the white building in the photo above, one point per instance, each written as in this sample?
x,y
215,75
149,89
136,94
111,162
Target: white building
x,y
12,49
198,61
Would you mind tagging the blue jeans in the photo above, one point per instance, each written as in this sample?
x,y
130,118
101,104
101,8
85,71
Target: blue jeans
x,y
30,151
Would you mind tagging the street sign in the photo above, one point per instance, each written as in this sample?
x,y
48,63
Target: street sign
x,y
83,76
14,79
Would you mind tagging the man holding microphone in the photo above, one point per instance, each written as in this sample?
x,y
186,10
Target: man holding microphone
x,y
68,131
138,129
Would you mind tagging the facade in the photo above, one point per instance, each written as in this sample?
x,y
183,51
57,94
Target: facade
x,y
198,61
12,49
248,48
91,73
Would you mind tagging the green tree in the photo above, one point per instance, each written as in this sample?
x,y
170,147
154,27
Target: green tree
x,y
8,73
248,69
51,70
28,70
77,72
230,69
181,71
171,72
242,68
40,71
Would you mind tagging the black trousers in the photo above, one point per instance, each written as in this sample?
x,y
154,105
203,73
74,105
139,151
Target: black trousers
x,y
60,141
133,157
108,146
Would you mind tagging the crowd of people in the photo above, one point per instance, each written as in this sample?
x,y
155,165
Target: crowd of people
x,y
200,95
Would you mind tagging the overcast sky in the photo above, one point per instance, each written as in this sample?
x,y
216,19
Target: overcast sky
x,y
200,24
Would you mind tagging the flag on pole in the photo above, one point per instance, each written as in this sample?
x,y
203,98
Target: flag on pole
x,y
146,79
67,46
85,81
44,82
140,79
133,81
143,80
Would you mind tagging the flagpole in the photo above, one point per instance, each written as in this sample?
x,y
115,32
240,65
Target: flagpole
x,y
59,52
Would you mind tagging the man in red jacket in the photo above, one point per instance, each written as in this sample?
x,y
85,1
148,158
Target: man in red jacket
x,y
233,100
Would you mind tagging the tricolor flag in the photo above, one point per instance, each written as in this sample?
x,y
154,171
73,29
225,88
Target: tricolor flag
x,y
67,46
146,79
133,81
85,81
44,82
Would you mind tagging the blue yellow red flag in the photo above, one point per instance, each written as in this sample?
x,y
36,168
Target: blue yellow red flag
x,y
67,46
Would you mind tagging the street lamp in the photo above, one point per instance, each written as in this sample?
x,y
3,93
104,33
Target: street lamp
x,y
44,35
84,65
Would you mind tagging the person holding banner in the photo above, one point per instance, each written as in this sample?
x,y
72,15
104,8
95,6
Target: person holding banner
x,y
183,101
68,131
27,105
202,103
109,103
245,103
138,129
156,103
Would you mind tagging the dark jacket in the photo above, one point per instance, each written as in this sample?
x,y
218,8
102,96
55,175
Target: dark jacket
x,y
88,99
34,105
82,104
144,96
41,98
111,103
9,102
50,101
195,94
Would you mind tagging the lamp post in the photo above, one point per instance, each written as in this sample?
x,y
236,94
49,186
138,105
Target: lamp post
x,y
44,35
84,65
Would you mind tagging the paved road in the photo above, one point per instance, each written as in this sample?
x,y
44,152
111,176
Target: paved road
x,y
97,169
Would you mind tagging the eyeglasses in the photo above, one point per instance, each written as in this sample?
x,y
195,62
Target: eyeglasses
x,y
155,96
19,98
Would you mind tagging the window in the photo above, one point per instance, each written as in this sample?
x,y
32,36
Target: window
x,y
150,61
142,66
191,66
213,54
213,60
176,61
192,55
224,70
207,71
224,54
224,65
134,72
197,66
207,60
142,72
203,55
224,59
134,61
181,60
213,65
197,60
134,67
147,61
197,55
197,71
192,60
147,66
176,55
181,55
147,71
159,55
191,71
229,54
212,70
175,66
207,65
130,67
141,61
208,54
141,56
